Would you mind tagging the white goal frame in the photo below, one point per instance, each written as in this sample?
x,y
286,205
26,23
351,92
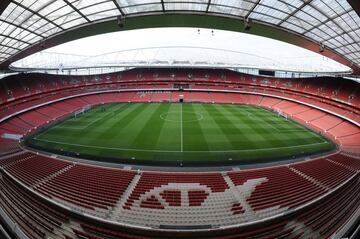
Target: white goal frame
x,y
82,111
280,113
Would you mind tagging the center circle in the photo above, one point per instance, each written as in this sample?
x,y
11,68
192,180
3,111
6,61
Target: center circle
x,y
181,116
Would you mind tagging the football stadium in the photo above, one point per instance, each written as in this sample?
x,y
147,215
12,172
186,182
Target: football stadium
x,y
179,119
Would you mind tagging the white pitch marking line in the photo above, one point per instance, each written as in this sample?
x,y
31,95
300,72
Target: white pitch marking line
x,y
174,151
181,126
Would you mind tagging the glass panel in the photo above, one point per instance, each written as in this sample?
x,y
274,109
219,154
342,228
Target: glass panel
x,y
37,24
8,12
15,32
6,28
268,14
331,8
75,22
51,31
134,6
311,15
265,18
5,42
330,44
335,43
232,7
17,14
9,42
32,4
288,6
10,51
355,34
126,3
106,14
356,47
314,36
27,36
52,7
72,15
152,7
34,39
331,28
299,21
348,21
195,5
345,50
98,8
325,31
292,27
82,4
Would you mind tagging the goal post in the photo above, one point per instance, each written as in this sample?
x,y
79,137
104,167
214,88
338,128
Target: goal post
x,y
82,111
280,113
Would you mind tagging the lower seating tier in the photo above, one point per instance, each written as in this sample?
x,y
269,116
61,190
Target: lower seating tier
x,y
184,199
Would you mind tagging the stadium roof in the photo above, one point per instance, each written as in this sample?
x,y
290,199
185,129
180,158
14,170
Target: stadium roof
x,y
28,26
178,48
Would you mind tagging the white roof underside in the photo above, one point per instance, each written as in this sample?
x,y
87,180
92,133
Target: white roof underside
x,y
332,22
180,47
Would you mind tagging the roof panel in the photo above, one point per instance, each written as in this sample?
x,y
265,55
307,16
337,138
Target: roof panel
x,y
331,8
15,14
35,5
134,6
63,19
196,5
293,25
310,15
265,18
51,7
300,22
332,22
37,24
73,22
6,28
88,3
287,7
104,14
269,14
315,36
325,30
91,9
30,37
232,7
8,11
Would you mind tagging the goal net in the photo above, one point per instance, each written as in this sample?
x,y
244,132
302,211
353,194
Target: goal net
x,y
82,111
281,114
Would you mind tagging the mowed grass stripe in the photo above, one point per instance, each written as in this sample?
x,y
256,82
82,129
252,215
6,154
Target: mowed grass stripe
x,y
284,133
219,132
81,136
229,127
237,117
193,133
169,135
124,135
261,135
212,127
108,135
299,132
148,135
95,132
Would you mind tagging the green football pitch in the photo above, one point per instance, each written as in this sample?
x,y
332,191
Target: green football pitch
x,y
181,133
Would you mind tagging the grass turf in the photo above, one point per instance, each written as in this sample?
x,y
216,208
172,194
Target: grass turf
x,y
181,133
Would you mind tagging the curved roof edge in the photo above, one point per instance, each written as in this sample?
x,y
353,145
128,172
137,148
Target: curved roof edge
x,y
182,20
